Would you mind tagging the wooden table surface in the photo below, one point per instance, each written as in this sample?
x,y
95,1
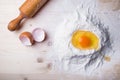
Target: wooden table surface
x,y
18,62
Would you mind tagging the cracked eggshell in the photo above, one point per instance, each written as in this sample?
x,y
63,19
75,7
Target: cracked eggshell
x,y
38,34
26,38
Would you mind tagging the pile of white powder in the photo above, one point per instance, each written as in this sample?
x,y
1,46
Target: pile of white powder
x,y
65,57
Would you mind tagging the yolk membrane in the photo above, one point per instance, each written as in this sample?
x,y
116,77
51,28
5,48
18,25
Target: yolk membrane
x,y
85,41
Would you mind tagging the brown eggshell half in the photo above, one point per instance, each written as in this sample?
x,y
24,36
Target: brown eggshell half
x,y
26,38
38,34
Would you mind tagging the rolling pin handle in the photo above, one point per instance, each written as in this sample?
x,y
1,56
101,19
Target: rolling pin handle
x,y
14,24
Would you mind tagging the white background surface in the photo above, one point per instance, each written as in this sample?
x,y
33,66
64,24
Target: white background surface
x,y
17,61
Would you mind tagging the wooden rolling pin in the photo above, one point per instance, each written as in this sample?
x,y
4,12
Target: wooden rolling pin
x,y
27,10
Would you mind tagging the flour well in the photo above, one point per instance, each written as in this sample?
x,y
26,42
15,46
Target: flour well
x,y
66,57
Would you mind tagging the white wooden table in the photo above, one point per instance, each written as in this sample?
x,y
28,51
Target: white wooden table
x,y
18,62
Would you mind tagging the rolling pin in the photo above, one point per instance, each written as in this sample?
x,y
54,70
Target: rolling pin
x,y
27,10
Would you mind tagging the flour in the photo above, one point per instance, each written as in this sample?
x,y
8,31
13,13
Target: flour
x,y
67,58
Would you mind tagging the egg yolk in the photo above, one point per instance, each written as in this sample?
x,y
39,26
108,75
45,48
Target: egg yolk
x,y
84,40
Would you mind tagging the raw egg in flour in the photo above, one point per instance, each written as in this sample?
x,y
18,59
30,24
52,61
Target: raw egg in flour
x,y
84,40
80,42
